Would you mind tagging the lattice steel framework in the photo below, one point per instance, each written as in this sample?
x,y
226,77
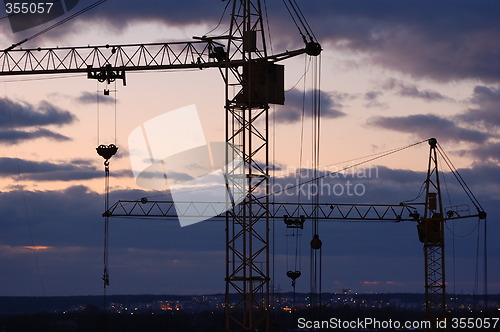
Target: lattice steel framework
x,y
111,61
353,212
118,58
428,214
250,78
431,232
246,68
247,224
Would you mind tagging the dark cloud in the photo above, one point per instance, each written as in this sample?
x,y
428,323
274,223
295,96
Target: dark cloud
x,y
484,153
372,95
47,171
411,90
444,41
143,251
117,16
403,89
486,109
429,125
73,216
84,162
17,117
91,98
448,40
169,11
21,115
424,39
372,99
16,136
483,178
296,101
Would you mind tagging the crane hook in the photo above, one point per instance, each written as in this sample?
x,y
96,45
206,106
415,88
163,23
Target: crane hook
x,y
293,275
106,151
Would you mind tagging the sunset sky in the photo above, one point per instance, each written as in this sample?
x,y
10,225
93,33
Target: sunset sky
x,y
393,72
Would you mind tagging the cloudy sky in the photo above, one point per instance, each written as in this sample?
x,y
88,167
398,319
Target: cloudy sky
x,y
392,73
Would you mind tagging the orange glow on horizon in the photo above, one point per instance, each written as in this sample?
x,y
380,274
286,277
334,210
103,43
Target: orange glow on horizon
x,y
36,247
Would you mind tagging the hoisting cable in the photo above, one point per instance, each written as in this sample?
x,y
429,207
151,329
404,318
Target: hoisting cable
x,y
461,181
295,272
453,251
485,267
476,271
371,157
106,151
273,177
313,48
296,222
220,20
268,28
300,78
303,20
98,119
316,243
295,22
481,216
420,192
329,173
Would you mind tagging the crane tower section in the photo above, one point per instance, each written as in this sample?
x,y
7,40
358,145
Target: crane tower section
x,y
249,91
252,80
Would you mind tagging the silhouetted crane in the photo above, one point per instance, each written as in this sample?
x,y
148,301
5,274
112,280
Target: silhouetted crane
x,y
253,80
428,214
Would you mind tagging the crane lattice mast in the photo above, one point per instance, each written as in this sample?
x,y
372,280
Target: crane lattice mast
x,y
253,80
429,216
247,232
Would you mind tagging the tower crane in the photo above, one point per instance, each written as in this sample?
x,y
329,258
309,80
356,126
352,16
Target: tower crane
x,y
253,80
428,215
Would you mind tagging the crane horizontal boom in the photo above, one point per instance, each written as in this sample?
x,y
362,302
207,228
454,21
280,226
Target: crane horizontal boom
x,y
352,212
323,211
96,60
